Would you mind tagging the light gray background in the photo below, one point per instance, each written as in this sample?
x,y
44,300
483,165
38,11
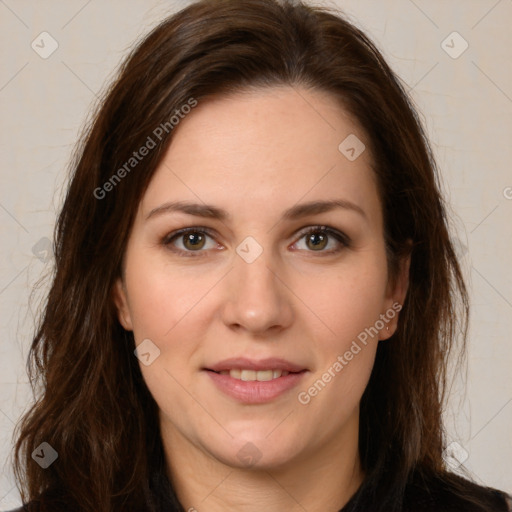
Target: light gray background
x,y
466,104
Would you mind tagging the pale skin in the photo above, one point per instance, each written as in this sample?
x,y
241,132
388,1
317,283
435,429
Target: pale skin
x,y
256,155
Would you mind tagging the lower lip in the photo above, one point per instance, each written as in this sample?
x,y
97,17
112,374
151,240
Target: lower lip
x,y
255,392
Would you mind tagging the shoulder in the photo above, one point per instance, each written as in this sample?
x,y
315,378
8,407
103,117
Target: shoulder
x,y
451,493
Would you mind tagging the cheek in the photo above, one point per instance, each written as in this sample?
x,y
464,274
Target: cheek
x,y
170,307
347,299
162,297
345,349
347,307
346,354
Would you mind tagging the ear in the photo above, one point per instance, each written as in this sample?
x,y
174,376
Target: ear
x,y
395,295
121,303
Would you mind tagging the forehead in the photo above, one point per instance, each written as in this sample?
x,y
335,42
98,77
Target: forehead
x,y
260,148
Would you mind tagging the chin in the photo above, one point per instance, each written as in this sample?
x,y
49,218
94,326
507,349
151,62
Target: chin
x,y
255,453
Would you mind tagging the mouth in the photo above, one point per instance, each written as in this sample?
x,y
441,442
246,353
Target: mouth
x,y
243,364
253,382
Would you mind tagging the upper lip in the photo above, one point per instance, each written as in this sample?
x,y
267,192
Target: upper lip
x,y
271,363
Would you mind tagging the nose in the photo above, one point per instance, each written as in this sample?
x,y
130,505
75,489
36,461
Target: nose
x,y
257,298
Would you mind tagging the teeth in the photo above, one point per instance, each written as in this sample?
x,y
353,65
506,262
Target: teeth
x,y
252,375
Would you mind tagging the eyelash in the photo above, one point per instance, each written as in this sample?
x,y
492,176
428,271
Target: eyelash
x,y
343,239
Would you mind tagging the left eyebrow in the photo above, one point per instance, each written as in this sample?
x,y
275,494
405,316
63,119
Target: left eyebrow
x,y
295,212
316,207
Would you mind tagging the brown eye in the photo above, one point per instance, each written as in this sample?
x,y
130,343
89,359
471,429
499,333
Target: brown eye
x,y
189,241
316,240
193,240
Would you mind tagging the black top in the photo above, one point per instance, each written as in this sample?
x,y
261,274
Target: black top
x,y
434,497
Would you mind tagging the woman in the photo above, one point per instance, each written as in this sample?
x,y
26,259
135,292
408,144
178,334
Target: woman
x,y
255,293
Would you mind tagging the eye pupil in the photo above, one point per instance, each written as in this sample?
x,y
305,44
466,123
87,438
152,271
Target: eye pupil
x,y
317,239
195,239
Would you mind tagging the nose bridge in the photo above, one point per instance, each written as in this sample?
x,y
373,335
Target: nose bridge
x,y
257,299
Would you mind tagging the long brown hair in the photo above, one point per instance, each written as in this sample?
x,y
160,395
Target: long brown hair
x,y
92,404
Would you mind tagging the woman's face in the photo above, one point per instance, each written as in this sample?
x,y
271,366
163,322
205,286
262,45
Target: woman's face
x,y
247,295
